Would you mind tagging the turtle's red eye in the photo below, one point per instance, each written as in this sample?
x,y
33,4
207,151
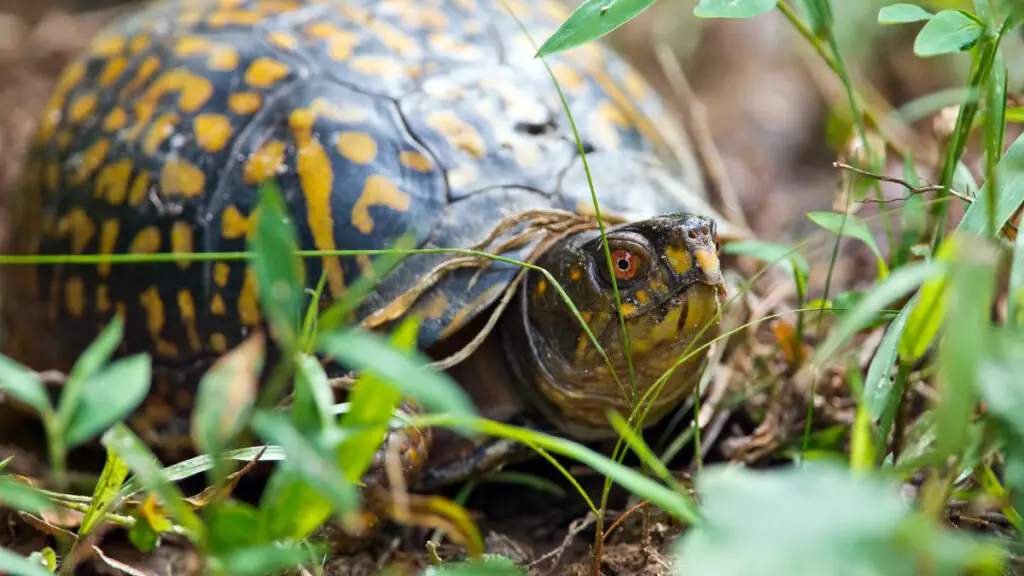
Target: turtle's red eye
x,y
625,264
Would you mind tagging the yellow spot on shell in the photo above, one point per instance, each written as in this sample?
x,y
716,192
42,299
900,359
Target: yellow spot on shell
x,y
74,296
358,147
79,226
378,191
317,181
212,131
179,177
234,225
422,17
378,66
115,120
107,46
155,320
147,241
628,308
264,72
53,113
92,158
340,43
221,271
678,259
569,78
187,313
244,102
182,241
219,343
102,298
219,57
396,41
112,71
82,107
108,240
193,92
112,182
248,302
64,138
147,68
454,47
634,85
139,43
283,40
264,163
139,190
222,18
161,129
459,134
217,306
345,114
435,307
415,160
52,177
603,121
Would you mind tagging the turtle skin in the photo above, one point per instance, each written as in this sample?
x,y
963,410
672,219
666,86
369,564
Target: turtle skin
x,y
377,119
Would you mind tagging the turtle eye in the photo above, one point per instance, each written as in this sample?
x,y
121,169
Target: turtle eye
x,y
626,264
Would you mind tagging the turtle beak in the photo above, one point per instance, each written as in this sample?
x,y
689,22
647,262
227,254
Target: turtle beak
x,y
710,267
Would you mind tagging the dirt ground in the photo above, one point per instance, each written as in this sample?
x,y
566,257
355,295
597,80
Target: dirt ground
x,y
766,100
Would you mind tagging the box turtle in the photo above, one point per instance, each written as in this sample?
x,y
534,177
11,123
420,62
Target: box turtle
x,y
377,119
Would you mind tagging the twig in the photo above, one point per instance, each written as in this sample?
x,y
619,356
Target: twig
x,y
913,189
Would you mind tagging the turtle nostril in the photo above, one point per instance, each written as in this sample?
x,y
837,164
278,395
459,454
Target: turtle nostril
x,y
704,230
692,234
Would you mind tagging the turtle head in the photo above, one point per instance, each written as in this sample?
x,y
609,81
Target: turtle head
x,y
669,283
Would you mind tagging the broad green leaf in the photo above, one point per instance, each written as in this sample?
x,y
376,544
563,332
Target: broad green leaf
x,y
878,298
18,565
19,496
232,525
96,355
947,32
853,227
862,445
311,407
930,309
406,371
371,405
46,557
489,565
1015,114
115,471
785,257
278,270
593,19
290,508
878,382
23,384
123,442
268,559
733,8
819,15
1009,196
902,13
108,396
309,461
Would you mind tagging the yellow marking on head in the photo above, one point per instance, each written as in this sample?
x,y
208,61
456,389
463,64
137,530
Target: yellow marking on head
x,y
248,301
656,286
226,17
112,182
264,163
244,102
459,133
179,177
642,297
234,225
217,306
378,191
575,273
358,147
569,78
678,259
107,46
79,226
108,240
628,308
317,182
219,343
139,43
454,47
668,327
283,40
264,72
115,120
378,66
707,260
139,189
415,160
221,271
147,68
82,107
54,111
147,241
74,296
91,160
102,298
161,129
193,92
156,320
187,312
542,287
182,241
212,131
112,71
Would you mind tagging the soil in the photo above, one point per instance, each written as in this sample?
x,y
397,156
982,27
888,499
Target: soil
x,y
766,105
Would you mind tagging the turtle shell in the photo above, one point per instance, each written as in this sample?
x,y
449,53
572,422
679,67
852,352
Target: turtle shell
x,y
377,119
